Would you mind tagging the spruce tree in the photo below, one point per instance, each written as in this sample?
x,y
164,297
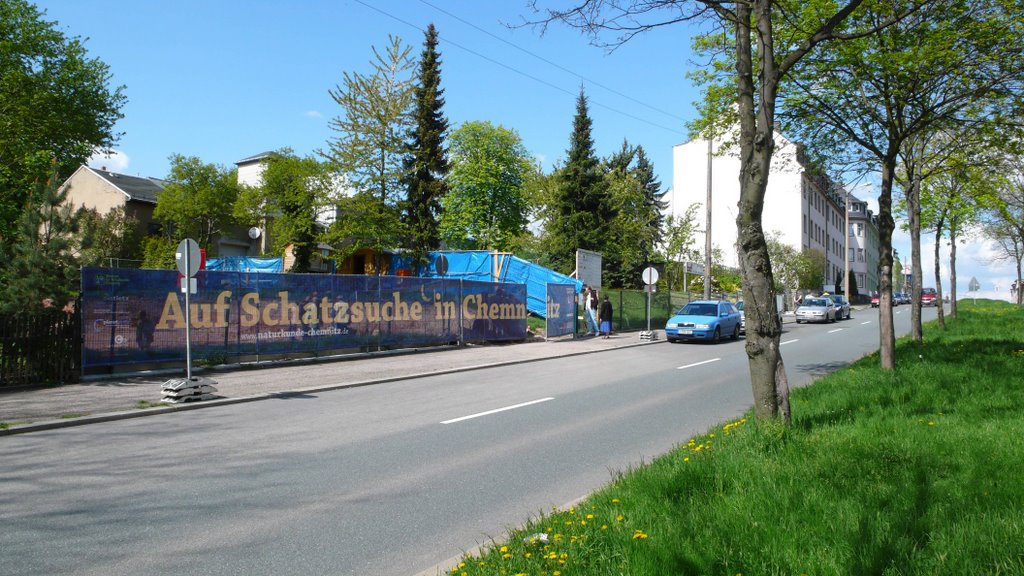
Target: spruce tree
x,y
578,212
42,263
426,163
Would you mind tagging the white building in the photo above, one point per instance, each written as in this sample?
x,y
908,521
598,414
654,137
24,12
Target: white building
x,y
804,207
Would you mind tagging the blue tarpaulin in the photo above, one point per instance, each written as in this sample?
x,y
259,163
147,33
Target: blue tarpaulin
x,y
246,264
496,267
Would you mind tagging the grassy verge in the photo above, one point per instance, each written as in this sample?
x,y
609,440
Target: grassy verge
x,y
911,471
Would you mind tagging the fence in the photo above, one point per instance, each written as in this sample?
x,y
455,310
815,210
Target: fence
x,y
42,348
630,307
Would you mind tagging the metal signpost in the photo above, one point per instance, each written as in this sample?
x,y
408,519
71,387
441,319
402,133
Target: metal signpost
x,y
188,259
650,278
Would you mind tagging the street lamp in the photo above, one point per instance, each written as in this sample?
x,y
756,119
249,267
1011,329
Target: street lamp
x,y
707,232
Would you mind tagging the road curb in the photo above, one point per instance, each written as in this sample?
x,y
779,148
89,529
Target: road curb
x,y
141,412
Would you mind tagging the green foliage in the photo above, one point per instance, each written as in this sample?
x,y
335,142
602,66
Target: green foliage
x,y
365,223
293,193
486,204
785,262
376,117
810,269
158,253
56,106
42,263
198,201
680,245
112,236
426,164
635,222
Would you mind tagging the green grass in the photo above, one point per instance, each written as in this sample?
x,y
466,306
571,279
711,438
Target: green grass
x,y
912,471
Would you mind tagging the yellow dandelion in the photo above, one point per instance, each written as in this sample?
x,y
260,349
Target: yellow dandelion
x,y
620,518
503,549
590,516
615,500
604,526
639,535
506,556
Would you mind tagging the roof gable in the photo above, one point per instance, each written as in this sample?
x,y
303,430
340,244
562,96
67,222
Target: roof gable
x,y
134,187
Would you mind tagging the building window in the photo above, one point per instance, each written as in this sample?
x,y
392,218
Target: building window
x,y
860,254
860,229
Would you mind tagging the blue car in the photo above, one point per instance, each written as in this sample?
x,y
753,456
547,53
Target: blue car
x,y
704,320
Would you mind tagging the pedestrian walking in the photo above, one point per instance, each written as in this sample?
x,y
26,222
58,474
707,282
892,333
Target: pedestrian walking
x,y
606,317
590,310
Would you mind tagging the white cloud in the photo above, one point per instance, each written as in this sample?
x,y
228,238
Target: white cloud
x,y
313,114
116,161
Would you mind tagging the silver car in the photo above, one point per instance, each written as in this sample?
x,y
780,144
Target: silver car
x,y
816,309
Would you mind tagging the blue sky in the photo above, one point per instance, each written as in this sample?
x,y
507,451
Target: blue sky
x,y
226,79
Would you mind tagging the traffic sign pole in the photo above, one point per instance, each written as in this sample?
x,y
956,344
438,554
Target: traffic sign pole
x,y
188,261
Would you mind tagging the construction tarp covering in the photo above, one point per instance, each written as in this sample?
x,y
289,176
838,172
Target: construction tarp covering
x,y
246,264
496,267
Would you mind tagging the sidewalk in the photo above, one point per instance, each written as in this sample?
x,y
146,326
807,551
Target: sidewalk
x,y
29,410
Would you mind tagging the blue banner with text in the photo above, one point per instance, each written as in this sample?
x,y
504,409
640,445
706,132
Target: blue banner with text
x,y
138,316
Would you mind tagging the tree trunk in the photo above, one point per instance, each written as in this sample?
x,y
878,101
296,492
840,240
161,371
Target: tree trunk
x,y
938,276
915,168
952,271
886,225
767,371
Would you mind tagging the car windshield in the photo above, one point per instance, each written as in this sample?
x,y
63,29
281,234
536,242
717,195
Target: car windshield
x,y
928,290
816,302
739,305
699,309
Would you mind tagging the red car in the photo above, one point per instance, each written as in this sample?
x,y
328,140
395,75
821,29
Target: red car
x,y
929,297
875,299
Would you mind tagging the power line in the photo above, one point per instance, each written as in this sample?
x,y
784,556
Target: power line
x,y
520,72
555,64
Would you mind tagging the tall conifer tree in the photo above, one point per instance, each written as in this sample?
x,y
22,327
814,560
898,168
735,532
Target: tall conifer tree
x,y
578,212
426,163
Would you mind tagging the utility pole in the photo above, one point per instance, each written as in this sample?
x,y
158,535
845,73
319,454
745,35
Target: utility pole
x,y
846,251
707,229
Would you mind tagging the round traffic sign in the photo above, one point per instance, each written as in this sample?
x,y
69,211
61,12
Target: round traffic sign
x,y
441,265
187,257
650,275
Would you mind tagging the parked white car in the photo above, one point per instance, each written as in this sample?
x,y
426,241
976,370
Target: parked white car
x,y
816,309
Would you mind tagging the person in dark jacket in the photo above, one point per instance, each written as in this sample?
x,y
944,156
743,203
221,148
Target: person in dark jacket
x,y
606,317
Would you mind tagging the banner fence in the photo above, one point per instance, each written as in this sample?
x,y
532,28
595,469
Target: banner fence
x,y
137,316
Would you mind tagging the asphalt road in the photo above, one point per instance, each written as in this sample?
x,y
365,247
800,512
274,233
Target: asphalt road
x,y
390,479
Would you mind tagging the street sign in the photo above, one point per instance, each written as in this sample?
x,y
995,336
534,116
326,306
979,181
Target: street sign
x,y
188,258
694,267
973,286
650,275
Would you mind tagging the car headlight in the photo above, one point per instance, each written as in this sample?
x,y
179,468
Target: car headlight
x,y
702,326
671,325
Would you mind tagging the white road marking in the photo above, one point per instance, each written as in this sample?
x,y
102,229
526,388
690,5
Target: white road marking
x,y
495,411
863,323
789,341
836,330
698,364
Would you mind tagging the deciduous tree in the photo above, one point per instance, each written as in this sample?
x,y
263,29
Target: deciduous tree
x,y
486,203
57,106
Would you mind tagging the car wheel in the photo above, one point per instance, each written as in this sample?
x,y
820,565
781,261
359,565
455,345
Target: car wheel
x,y
672,340
736,332
718,335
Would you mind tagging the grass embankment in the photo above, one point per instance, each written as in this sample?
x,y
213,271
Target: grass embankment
x,y
913,471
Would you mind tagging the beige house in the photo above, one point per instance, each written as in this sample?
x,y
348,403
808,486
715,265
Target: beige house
x,y
102,190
